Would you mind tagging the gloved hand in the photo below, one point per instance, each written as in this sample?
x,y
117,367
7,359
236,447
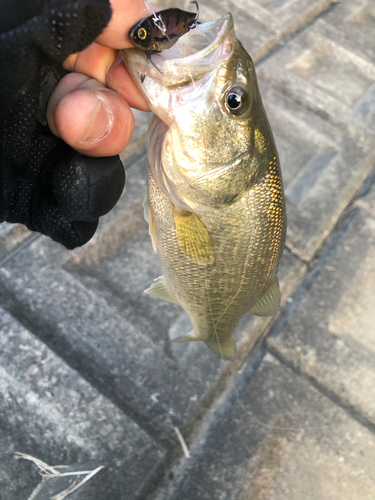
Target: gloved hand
x,y
44,183
47,185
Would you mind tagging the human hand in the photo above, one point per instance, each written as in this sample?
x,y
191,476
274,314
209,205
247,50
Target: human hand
x,y
44,183
90,107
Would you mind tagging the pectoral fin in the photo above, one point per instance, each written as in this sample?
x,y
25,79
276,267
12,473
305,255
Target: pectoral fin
x,y
193,237
269,303
225,349
149,217
161,290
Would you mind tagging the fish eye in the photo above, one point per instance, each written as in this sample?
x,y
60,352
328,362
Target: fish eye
x,y
236,100
142,33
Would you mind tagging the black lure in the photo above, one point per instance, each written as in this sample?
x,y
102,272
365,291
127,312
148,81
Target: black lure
x,y
161,31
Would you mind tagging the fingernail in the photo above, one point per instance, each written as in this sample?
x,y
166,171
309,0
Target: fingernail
x,y
151,8
98,124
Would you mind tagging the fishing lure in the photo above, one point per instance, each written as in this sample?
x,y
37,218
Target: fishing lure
x,y
161,30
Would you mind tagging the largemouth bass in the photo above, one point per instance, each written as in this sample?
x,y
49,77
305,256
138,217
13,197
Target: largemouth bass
x,y
215,197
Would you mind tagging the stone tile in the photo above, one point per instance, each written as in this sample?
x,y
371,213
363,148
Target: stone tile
x,y
261,25
317,161
356,23
11,236
319,96
330,69
89,306
49,411
274,436
328,331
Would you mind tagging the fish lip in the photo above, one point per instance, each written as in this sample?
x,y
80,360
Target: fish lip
x,y
181,71
220,26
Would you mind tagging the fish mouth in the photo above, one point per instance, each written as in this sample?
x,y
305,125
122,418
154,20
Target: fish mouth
x,y
194,55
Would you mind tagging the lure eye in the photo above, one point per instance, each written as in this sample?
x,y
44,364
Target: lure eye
x,y
142,33
236,101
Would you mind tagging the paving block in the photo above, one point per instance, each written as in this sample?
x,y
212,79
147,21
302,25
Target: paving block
x,y
318,93
262,25
11,236
317,161
274,436
49,411
328,332
356,22
89,306
327,69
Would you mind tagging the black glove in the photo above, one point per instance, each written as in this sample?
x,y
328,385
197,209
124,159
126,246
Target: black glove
x,y
44,183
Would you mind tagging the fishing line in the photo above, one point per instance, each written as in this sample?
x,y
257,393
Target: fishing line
x,y
248,412
223,362
289,414
157,19
212,318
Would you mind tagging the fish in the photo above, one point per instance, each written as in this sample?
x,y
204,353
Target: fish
x,y
215,204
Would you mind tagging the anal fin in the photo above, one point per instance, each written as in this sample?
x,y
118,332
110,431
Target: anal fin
x,y
269,303
161,290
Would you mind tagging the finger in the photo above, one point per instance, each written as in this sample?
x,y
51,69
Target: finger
x,y
47,219
82,189
87,188
120,80
107,66
94,61
92,119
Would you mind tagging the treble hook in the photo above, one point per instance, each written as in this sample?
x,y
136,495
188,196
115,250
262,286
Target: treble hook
x,y
197,14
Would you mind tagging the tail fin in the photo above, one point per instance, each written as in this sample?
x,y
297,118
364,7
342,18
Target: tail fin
x,y
225,349
190,337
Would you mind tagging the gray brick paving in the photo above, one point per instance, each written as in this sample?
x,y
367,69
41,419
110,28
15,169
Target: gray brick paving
x,y
273,436
318,160
49,411
329,332
326,81
97,317
88,372
264,24
11,236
